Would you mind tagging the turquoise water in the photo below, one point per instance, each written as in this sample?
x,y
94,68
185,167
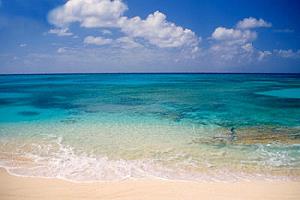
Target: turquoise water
x,y
93,127
293,93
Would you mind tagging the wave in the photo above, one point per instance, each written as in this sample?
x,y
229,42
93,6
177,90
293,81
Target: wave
x,y
55,159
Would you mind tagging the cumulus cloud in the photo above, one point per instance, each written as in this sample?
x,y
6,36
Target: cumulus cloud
x,y
227,54
127,43
155,29
158,31
251,22
229,45
60,31
89,13
233,35
287,53
97,40
236,44
232,45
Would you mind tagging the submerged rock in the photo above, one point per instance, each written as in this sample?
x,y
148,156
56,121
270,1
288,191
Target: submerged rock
x,y
268,135
253,135
68,121
28,113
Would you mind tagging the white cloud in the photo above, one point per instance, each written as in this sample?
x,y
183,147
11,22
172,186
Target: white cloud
x,y
233,35
235,45
109,59
23,45
122,42
127,43
227,46
66,50
248,47
155,29
232,45
61,50
227,54
263,54
60,31
89,13
250,22
289,53
158,31
106,32
97,40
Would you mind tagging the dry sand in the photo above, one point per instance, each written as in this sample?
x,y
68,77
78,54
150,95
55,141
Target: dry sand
x,y
12,187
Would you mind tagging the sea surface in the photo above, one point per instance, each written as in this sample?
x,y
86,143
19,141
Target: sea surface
x,y
106,127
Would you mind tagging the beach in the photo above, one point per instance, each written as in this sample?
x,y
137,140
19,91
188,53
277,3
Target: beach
x,y
13,188
149,100
138,136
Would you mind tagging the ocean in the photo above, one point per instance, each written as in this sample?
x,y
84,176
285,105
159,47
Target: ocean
x,y
107,127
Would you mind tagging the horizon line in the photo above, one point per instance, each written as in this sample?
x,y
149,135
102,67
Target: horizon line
x,y
78,73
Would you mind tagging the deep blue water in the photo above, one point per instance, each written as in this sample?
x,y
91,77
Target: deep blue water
x,y
224,99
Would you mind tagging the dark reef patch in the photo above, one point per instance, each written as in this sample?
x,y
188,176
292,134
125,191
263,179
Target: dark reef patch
x,y
5,102
28,113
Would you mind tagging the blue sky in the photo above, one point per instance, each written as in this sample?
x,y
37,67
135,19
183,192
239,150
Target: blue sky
x,y
54,36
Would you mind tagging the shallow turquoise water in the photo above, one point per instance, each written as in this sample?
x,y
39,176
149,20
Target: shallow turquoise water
x,y
293,93
181,126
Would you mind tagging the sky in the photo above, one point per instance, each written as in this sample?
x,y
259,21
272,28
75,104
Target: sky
x,y
95,36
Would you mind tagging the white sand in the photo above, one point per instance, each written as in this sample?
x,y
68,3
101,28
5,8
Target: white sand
x,y
12,187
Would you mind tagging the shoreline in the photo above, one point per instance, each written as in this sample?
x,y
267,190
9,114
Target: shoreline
x,y
17,187
201,180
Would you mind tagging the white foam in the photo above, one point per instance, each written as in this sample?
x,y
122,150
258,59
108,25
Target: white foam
x,y
52,157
